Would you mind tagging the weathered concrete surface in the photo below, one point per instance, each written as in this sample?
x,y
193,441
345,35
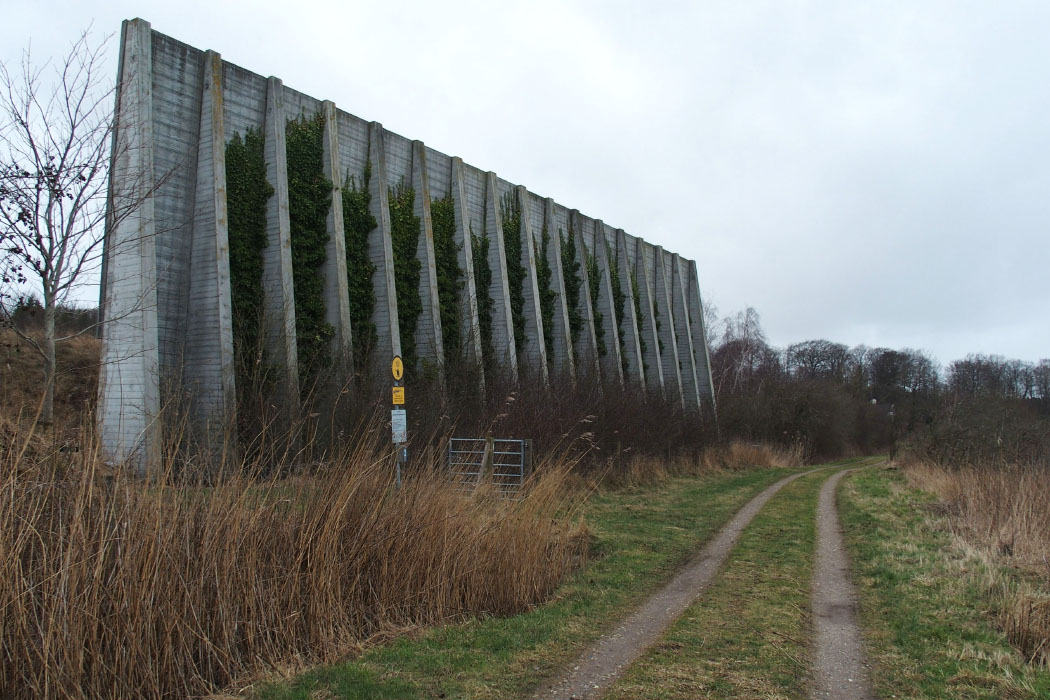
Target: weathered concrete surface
x,y
611,363
166,287
535,350
563,360
468,296
587,344
683,336
129,386
632,350
278,284
381,253
654,375
667,341
336,301
208,372
499,290
428,330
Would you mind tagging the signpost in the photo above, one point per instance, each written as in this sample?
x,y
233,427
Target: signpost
x,y
398,417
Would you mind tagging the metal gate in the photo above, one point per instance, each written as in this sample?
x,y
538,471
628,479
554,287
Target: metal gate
x,y
503,462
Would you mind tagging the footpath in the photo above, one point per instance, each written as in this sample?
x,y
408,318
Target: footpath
x,y
839,667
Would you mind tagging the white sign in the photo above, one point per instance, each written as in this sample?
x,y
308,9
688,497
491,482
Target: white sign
x,y
399,425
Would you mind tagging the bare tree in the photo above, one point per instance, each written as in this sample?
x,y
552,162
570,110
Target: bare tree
x,y
818,359
1041,378
743,360
55,139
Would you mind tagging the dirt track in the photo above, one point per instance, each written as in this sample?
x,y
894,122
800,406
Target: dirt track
x,y
603,663
840,669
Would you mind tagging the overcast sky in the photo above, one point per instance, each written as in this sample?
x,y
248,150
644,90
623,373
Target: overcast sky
x,y
866,172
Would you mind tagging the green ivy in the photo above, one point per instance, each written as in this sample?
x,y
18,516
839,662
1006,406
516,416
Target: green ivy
x,y
636,294
619,302
510,213
358,223
404,234
547,295
449,274
479,248
659,325
594,280
309,199
570,269
247,191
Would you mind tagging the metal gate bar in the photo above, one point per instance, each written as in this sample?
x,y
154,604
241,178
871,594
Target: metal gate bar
x,y
503,461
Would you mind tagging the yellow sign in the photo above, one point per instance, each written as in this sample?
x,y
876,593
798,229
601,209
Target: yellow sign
x,y
399,396
397,368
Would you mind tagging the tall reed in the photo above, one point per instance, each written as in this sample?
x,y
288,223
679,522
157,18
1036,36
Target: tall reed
x,y
114,588
1004,511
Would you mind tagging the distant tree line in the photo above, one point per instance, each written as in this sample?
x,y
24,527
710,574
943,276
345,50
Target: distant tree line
x,y
833,399
26,314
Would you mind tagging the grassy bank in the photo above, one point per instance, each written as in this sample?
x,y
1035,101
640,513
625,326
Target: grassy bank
x,y
639,536
924,599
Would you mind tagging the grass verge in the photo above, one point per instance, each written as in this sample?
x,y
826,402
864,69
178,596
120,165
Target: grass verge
x,y
928,633
746,637
640,536
1001,510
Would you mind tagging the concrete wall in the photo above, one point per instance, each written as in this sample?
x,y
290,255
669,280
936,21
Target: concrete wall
x,y
167,297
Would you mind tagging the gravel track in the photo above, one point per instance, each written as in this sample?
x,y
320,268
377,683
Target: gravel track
x,y
840,668
603,662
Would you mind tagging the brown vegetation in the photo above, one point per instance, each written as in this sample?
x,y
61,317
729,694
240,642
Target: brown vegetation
x,y
732,456
1004,512
22,378
114,588
122,588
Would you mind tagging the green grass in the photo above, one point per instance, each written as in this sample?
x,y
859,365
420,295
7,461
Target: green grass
x,y
746,637
639,538
927,630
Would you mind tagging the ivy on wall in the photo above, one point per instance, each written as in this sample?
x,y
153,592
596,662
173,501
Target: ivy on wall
x,y
358,223
449,274
479,248
547,295
404,234
637,296
570,271
510,213
247,191
619,302
659,325
309,199
594,282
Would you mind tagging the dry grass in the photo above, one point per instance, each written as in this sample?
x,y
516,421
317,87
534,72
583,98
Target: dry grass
x,y
641,470
116,588
1004,513
112,588
21,376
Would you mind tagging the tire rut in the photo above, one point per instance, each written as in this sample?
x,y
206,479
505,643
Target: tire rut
x,y
610,656
840,667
